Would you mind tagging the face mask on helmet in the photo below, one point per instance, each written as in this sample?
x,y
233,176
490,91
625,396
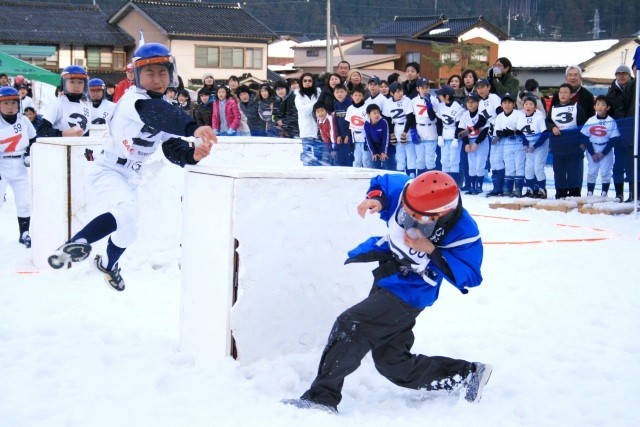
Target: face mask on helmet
x,y
148,61
74,80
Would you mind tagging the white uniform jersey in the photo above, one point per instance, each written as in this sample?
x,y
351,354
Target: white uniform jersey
x,y
504,122
379,100
467,122
487,107
426,127
26,102
14,138
532,126
103,111
397,110
450,116
600,131
64,114
356,116
565,116
132,140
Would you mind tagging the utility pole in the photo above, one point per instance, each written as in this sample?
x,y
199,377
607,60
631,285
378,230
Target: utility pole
x,y
509,24
596,25
329,49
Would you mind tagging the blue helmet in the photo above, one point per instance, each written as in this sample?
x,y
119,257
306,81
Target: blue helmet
x,y
8,93
74,72
154,53
96,83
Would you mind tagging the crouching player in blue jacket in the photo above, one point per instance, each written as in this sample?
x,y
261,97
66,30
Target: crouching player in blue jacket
x,y
431,237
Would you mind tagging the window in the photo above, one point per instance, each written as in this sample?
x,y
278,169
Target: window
x,y
481,55
207,57
93,57
449,56
413,57
391,49
313,52
119,60
253,58
106,57
228,57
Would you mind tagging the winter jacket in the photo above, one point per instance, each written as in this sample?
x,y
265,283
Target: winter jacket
x,y
327,99
506,83
306,120
250,109
203,113
287,112
231,111
457,257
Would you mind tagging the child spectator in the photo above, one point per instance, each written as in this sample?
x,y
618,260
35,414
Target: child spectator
x,y
531,88
355,116
249,107
25,99
18,131
384,88
602,132
184,101
397,110
294,84
327,134
375,97
266,108
513,152
376,132
449,112
70,114
203,109
225,113
343,134
566,143
101,109
473,130
233,84
171,94
490,107
424,106
286,113
531,126
209,82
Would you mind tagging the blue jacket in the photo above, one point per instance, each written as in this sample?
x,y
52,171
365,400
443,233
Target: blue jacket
x,y
458,243
377,136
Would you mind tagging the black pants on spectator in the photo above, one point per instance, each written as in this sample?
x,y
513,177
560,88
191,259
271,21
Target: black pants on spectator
x,y
382,323
567,173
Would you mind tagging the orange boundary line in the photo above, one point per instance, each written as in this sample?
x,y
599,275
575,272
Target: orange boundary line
x,y
536,242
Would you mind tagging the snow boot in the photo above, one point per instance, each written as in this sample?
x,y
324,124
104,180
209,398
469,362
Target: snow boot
x,y
517,192
508,186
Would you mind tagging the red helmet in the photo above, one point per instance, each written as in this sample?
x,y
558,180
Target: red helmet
x,y
432,193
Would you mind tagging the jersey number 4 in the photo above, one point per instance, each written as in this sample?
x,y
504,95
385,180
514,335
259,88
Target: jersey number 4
x,y
12,143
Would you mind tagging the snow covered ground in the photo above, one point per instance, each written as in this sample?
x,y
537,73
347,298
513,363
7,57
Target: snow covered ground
x,y
557,319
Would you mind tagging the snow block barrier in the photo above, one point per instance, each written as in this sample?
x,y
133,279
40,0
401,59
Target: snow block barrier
x,y
262,261
254,150
59,192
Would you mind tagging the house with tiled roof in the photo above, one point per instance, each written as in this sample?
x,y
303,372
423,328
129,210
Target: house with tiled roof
x,y
204,37
40,33
414,39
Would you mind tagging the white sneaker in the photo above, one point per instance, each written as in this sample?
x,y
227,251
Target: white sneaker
x,y
112,277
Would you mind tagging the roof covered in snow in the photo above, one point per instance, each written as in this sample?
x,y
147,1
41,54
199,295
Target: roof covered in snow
x,y
551,54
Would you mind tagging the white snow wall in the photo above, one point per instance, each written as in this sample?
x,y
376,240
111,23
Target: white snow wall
x,y
291,281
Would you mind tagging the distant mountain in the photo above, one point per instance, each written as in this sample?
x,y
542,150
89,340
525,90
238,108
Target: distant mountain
x,y
530,19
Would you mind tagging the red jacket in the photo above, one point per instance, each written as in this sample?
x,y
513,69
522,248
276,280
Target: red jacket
x,y
121,87
231,111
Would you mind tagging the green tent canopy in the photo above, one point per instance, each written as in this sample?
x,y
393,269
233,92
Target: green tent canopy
x,y
13,66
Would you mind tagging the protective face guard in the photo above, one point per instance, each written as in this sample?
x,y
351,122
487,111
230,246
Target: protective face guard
x,y
407,221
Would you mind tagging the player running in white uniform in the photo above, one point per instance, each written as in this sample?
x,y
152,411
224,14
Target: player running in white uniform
x,y
16,136
142,121
68,115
